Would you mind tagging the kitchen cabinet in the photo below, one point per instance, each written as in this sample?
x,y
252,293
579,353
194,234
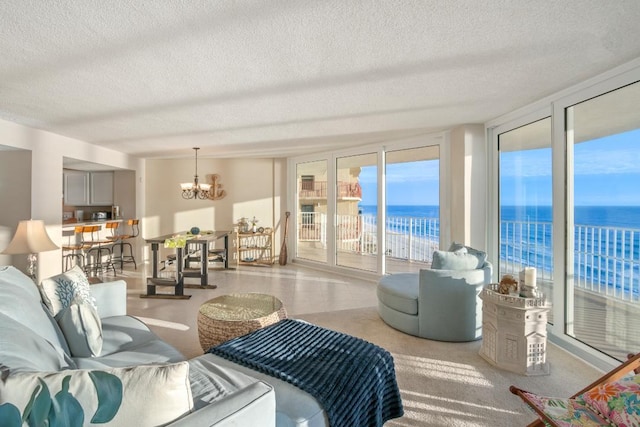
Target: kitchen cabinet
x,y
101,188
88,188
76,188
254,248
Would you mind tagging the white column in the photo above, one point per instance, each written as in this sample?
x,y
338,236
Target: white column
x,y
468,191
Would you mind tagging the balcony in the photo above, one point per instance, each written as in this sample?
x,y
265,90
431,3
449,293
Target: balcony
x,y
317,190
606,259
605,295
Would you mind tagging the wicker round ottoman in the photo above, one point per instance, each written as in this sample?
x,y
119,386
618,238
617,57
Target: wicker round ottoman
x,y
229,316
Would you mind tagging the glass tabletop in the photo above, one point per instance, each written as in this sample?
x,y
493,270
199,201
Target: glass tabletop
x,y
239,307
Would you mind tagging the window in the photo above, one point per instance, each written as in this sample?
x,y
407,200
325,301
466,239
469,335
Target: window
x,y
311,221
412,208
525,203
603,221
356,183
339,209
306,182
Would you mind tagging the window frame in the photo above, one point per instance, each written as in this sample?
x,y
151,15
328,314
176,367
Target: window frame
x,y
440,139
556,106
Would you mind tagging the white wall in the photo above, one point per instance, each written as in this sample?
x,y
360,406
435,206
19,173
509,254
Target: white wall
x,y
254,187
47,152
15,199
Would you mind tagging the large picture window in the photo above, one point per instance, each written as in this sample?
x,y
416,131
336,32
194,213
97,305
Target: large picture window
x,y
412,208
525,210
603,221
339,208
356,244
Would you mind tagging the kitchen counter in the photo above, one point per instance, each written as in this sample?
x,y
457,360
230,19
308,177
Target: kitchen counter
x,y
67,225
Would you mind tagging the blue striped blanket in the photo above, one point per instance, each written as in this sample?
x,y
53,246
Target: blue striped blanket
x,y
354,380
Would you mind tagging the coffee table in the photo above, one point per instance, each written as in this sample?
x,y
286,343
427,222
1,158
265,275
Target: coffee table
x,y
229,316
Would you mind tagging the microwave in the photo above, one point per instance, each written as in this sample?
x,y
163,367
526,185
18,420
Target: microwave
x,y
97,216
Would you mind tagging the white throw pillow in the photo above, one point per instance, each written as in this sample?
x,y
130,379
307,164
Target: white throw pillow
x,y
458,260
480,255
146,395
82,329
59,292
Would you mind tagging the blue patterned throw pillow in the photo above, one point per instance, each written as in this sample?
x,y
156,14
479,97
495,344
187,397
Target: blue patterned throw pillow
x,y
59,292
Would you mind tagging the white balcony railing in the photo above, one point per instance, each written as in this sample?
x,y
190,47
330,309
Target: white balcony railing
x,y
606,259
411,239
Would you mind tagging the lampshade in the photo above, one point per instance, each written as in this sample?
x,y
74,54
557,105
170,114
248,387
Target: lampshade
x,y
31,238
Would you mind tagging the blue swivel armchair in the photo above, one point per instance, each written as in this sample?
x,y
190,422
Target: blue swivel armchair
x,y
441,303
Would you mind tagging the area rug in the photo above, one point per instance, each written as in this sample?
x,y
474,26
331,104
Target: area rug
x,y
449,384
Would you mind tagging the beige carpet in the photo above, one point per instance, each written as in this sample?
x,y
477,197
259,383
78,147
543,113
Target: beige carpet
x,y
449,384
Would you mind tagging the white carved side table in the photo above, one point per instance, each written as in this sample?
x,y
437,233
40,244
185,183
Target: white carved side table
x,y
514,332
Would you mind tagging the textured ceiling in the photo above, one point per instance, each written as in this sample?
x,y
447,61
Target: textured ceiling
x,y
280,78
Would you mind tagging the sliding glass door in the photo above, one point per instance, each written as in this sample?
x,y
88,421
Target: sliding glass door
x,y
339,217
356,201
311,217
412,228
603,221
525,197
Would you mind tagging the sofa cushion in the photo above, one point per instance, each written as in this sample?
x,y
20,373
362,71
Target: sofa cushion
x,y
457,260
140,395
480,255
128,341
22,349
82,329
59,292
399,292
211,382
20,300
294,407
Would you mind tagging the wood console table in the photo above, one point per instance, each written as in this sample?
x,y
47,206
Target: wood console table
x,y
202,240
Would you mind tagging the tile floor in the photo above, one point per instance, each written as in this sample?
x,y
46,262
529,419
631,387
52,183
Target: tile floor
x,y
302,291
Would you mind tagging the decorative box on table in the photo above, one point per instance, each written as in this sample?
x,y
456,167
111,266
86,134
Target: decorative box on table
x,y
514,332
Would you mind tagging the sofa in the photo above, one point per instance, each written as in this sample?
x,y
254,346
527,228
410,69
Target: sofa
x,y
70,347
442,302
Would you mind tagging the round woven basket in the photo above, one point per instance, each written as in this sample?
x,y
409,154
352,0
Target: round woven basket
x,y
229,316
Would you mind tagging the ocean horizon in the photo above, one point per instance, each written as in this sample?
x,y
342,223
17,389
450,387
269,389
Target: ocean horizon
x,y
607,239
604,216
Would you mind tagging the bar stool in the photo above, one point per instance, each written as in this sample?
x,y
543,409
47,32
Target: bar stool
x,y
119,240
96,250
72,251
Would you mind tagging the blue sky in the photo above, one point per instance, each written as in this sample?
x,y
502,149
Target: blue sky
x,y
414,183
607,173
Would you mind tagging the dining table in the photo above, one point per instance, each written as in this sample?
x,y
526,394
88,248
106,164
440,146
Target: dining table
x,y
185,244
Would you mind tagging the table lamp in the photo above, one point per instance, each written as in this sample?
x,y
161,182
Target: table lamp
x,y
31,238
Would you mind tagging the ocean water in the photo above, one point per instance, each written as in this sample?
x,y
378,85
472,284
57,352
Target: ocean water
x,y
607,240
605,216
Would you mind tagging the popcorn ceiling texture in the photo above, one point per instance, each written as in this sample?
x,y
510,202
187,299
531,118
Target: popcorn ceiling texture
x,y
278,78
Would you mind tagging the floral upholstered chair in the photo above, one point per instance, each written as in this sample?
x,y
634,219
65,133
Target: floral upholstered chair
x,y
612,400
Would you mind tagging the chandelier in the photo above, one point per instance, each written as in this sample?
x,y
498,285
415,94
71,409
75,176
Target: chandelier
x,y
194,190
